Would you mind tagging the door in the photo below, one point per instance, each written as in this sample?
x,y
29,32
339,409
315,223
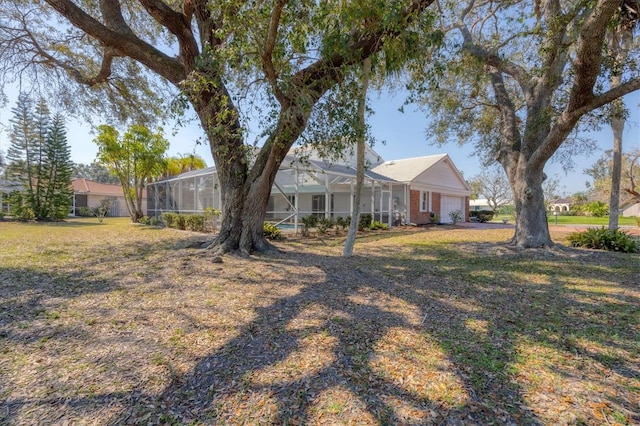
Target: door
x,y
450,204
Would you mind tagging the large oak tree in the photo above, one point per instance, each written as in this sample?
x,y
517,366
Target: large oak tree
x,y
521,77
216,53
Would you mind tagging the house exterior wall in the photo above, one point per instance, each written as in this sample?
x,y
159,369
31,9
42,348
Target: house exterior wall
x,y
415,215
466,209
634,210
120,207
440,181
436,197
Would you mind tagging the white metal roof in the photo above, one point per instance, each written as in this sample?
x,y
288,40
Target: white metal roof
x,y
407,169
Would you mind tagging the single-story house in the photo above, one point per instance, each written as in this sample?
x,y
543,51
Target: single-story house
x,y
434,185
89,193
633,210
415,190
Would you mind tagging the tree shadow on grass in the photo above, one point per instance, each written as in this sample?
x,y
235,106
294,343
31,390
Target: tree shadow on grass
x,y
388,340
479,324
354,327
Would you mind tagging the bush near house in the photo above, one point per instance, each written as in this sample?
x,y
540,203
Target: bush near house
x,y
481,216
188,222
272,232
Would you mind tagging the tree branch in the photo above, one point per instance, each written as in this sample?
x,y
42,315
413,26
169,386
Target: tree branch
x,y
179,25
325,72
126,44
266,55
568,119
588,54
508,119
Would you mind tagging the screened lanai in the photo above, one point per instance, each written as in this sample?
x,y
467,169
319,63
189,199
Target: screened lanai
x,y
301,188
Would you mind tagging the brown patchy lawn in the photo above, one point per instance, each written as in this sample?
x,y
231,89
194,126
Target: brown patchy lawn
x,y
115,323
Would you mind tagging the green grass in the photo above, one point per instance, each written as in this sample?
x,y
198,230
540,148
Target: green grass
x,y
588,220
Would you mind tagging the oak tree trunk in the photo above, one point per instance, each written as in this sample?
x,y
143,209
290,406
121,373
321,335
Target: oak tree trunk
x,y
532,228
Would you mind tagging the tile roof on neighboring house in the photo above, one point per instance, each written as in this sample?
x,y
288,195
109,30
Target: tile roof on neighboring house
x,y
88,186
562,201
408,169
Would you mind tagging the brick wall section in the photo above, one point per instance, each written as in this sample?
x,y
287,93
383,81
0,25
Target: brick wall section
x,y
417,217
435,203
466,209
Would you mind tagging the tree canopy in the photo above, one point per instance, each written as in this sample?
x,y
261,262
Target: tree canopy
x,y
135,158
518,79
277,59
493,185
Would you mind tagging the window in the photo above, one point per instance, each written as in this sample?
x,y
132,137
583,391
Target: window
x,y
317,205
424,201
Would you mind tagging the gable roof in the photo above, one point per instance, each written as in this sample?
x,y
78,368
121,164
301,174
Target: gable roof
x,y
408,169
88,186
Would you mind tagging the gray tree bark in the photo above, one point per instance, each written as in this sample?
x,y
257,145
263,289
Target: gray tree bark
x,y
360,149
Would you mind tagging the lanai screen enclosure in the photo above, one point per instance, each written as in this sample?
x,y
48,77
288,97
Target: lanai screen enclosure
x,y
301,188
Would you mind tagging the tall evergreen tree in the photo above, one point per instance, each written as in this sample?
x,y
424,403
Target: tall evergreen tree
x,y
57,169
42,118
19,154
39,158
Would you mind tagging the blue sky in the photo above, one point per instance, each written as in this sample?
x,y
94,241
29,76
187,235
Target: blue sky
x,y
404,134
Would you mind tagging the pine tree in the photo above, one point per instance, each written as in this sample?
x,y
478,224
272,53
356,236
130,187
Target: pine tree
x,y
41,129
39,158
19,158
57,169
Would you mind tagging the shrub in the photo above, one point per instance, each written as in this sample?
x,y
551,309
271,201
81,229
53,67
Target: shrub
x,y
169,219
180,222
324,224
155,221
212,215
151,221
271,232
308,222
597,208
605,239
194,222
378,225
456,216
482,215
85,212
100,212
365,221
343,222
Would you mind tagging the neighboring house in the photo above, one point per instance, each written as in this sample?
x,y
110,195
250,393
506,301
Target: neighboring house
x,y
633,210
560,205
483,204
413,190
89,193
6,188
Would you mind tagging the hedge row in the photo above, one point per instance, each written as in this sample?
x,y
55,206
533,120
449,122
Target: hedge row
x,y
189,222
